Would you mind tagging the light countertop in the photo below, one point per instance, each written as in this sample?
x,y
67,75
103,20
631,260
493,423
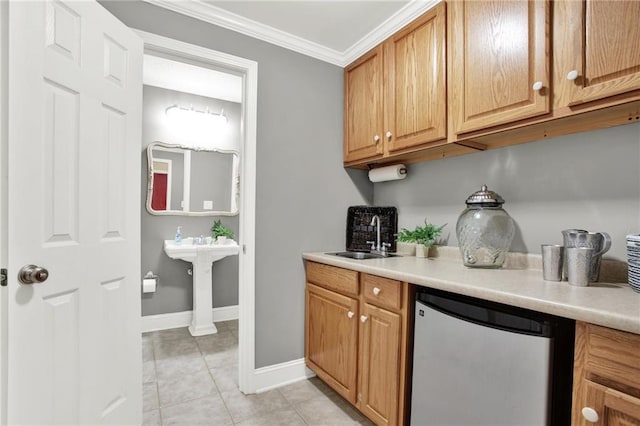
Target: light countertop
x,y
613,305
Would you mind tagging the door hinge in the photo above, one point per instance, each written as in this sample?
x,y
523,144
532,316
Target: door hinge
x,y
3,277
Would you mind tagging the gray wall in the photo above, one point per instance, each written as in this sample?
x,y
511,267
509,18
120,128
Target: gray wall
x,y
175,288
586,180
303,191
211,179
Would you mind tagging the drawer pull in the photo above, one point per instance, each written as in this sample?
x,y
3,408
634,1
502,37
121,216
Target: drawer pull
x,y
376,291
363,318
350,314
590,415
537,86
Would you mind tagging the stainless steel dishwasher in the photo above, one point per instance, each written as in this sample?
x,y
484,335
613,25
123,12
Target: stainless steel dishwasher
x,y
482,363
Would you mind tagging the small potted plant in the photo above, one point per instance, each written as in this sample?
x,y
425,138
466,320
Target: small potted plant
x,y
405,243
425,236
220,233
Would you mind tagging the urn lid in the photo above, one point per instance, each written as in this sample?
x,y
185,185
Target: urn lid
x,y
485,197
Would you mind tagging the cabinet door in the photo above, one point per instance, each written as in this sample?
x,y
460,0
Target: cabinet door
x,y
379,365
331,339
605,406
416,101
363,100
604,49
499,62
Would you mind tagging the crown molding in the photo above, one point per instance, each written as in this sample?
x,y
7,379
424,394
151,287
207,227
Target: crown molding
x,y
214,15
393,24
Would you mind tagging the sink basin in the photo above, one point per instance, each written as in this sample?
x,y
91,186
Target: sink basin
x,y
201,256
188,251
361,255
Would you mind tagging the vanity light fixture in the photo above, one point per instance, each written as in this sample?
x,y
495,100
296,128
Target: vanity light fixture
x,y
190,118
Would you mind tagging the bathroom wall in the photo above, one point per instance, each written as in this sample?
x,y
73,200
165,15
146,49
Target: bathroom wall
x,y
585,180
174,292
303,191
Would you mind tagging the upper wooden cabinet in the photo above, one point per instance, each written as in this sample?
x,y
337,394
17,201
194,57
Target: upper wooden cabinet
x,y
516,71
395,95
363,98
499,69
602,50
416,103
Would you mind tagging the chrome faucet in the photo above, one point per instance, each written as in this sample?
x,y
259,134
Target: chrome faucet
x,y
376,246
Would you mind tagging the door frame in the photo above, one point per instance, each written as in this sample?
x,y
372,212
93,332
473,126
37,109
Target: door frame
x,y
4,143
246,280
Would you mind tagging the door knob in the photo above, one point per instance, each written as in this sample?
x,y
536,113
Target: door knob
x,y
31,274
363,318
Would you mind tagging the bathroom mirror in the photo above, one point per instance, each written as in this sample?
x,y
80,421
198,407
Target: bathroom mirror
x,y
188,181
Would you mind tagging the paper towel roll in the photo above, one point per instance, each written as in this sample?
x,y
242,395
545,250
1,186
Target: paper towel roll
x,y
149,285
382,174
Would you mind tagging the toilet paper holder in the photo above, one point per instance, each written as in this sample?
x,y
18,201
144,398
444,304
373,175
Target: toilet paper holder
x,y
149,282
150,275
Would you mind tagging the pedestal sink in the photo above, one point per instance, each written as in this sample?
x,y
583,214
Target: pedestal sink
x,y
201,256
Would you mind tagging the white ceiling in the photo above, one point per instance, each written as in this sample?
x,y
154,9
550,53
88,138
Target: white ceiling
x,y
337,25
335,31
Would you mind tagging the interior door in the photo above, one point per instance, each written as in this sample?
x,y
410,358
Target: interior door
x,y
75,101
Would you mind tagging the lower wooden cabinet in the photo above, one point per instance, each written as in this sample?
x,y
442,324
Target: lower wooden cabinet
x,y
331,339
379,363
358,341
606,382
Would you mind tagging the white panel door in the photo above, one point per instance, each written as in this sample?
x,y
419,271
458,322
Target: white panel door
x,y
75,101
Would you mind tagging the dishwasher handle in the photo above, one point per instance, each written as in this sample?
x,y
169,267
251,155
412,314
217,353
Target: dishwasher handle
x,y
488,314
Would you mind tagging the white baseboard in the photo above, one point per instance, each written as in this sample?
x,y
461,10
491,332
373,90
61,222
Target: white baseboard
x,y
183,319
277,375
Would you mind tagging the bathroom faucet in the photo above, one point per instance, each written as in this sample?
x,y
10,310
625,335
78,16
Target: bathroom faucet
x,y
376,247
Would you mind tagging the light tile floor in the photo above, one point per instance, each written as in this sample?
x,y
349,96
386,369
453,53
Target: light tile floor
x,y
194,381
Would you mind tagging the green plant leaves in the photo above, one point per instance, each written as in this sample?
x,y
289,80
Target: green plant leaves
x,y
426,234
219,230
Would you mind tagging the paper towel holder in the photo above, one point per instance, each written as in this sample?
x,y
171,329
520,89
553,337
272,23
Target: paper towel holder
x,y
387,173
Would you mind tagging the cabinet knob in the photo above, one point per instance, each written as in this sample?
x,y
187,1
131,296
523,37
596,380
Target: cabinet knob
x,y
376,291
573,74
350,314
537,86
376,138
590,414
363,318
388,135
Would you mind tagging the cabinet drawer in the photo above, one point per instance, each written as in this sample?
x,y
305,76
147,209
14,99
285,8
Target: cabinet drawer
x,y
611,354
382,292
341,280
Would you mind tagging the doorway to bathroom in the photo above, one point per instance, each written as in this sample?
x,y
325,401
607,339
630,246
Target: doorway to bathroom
x,y
200,215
